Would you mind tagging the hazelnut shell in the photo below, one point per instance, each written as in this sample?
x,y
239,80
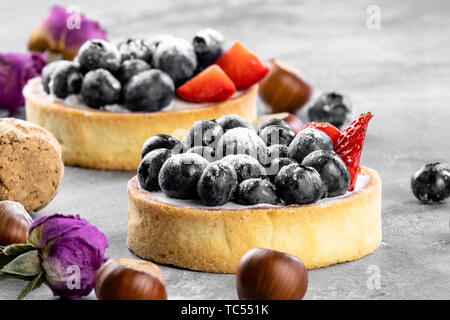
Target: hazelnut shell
x,y
14,223
129,279
284,89
265,274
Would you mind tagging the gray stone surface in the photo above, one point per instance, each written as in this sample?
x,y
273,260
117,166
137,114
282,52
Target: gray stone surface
x,y
401,73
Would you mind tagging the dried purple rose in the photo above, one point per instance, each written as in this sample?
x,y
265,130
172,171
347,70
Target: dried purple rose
x,y
63,251
64,31
15,70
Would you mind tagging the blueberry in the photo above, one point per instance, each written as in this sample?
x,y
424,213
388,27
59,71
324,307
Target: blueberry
x,y
149,168
204,151
241,141
274,122
297,184
66,79
274,152
208,45
179,176
431,183
245,166
217,183
332,170
330,107
136,48
100,88
276,165
47,73
150,90
275,134
99,54
307,141
177,58
160,141
203,133
130,68
254,191
231,121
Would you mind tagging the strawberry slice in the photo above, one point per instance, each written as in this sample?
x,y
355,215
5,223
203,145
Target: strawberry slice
x,y
210,85
242,66
350,143
326,128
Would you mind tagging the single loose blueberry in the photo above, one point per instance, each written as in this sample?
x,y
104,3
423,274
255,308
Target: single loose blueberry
x,y
241,141
203,133
130,68
276,165
217,183
150,90
149,168
100,88
275,134
206,152
136,48
431,183
297,184
255,191
332,170
99,54
48,71
208,45
245,166
274,122
160,141
330,107
66,79
177,58
231,121
179,175
307,141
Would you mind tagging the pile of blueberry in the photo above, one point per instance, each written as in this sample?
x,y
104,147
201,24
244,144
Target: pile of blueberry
x,y
228,159
141,74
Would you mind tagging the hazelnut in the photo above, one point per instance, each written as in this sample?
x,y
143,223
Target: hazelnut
x,y
14,223
265,274
129,279
284,89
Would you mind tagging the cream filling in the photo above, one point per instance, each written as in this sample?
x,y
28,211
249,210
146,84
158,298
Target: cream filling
x,y
361,182
76,101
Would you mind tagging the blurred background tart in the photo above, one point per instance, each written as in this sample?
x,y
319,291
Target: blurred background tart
x,y
105,103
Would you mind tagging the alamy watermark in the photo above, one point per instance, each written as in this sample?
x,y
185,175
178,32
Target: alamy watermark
x,y
74,19
373,21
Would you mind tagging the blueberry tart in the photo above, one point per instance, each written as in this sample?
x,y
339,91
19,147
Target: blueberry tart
x,y
313,200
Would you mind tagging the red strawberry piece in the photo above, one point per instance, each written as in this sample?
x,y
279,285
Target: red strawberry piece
x,y
242,66
210,85
326,128
350,143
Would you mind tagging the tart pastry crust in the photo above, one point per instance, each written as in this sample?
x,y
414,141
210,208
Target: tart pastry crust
x,y
106,140
214,240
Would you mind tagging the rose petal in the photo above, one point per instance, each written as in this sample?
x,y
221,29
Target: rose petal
x,y
53,33
15,70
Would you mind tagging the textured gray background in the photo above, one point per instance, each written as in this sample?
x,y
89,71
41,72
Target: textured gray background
x,y
401,73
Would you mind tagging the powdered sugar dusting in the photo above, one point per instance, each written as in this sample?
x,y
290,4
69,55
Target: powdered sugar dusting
x,y
361,182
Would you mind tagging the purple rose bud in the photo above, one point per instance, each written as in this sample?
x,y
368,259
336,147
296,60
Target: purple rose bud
x,y
15,70
64,31
72,252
